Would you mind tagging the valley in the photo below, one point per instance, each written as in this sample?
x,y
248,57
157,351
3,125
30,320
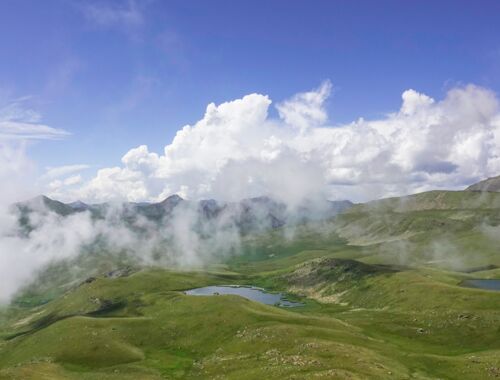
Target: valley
x,y
382,288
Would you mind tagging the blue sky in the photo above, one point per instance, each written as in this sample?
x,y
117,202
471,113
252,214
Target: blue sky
x,y
119,74
114,83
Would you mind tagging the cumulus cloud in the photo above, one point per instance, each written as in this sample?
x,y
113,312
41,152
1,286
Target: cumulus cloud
x,y
306,109
236,150
412,101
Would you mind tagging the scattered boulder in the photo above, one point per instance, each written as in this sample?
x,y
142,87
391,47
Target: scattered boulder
x,y
117,273
89,280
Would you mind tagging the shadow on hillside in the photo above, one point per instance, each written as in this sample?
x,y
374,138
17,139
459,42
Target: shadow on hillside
x,y
105,308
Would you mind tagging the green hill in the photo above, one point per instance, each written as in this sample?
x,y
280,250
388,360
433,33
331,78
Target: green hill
x,y
382,286
490,184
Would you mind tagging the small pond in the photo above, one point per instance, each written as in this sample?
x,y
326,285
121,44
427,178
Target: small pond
x,y
249,292
483,284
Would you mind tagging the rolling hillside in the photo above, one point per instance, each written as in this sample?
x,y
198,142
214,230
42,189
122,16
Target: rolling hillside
x,y
490,184
382,285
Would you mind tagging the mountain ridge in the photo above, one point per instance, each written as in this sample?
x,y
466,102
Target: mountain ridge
x,y
491,184
248,213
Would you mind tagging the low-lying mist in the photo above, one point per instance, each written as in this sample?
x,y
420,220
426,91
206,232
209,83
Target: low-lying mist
x,y
175,233
238,150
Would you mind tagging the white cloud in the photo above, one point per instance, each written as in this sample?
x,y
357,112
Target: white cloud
x,y
73,180
413,101
70,181
61,171
236,150
19,258
19,125
28,131
122,14
19,122
306,110
15,171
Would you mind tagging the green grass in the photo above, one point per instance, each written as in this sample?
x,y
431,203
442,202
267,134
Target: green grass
x,y
380,287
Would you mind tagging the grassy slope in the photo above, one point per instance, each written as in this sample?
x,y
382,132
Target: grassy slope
x,y
395,311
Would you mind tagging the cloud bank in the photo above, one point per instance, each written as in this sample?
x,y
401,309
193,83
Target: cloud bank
x,y
237,150
34,236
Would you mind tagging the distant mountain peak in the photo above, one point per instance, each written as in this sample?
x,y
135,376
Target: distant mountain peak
x,y
41,198
489,184
250,214
172,199
78,205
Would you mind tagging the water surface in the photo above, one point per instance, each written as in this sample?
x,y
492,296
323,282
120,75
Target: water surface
x,y
249,292
483,284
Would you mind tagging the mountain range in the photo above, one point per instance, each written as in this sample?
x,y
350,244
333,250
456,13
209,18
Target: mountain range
x,y
247,214
397,288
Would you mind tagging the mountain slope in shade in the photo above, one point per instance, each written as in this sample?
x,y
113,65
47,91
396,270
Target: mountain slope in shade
x,y
490,184
42,203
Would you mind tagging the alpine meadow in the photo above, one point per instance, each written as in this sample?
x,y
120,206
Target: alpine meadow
x,y
249,190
